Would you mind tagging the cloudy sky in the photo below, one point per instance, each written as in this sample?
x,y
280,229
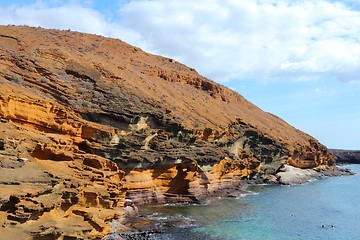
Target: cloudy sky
x,y
298,59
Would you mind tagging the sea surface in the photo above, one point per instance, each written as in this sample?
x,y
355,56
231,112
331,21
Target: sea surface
x,y
328,208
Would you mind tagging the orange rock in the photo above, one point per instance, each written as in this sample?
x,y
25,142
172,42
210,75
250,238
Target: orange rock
x,y
103,120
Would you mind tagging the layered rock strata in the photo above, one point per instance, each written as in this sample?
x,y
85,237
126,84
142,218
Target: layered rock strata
x,y
88,121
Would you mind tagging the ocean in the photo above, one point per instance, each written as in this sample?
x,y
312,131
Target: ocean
x,y
328,208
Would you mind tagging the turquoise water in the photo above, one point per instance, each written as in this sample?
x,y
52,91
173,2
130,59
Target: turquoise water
x,y
276,212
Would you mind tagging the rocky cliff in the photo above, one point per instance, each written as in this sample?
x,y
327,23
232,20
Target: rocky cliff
x,y
88,121
346,156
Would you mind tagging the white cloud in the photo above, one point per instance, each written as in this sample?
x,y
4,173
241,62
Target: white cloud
x,y
324,92
224,39
63,17
289,40
76,15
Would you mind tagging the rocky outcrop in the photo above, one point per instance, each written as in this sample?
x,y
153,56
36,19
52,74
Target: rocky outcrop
x,y
88,121
346,156
290,175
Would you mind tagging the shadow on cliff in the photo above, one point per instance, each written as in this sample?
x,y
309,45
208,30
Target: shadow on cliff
x,y
179,185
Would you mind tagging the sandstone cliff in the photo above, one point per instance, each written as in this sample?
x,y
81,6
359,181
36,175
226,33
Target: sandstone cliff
x,y
87,121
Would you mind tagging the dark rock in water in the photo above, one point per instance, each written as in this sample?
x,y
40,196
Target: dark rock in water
x,y
142,235
169,234
337,171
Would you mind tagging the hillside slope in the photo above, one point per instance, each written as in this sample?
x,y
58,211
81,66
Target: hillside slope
x,y
87,121
346,156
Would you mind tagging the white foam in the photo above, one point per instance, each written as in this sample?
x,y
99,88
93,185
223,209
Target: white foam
x,y
250,193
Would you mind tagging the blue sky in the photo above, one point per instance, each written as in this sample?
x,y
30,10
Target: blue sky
x,y
298,59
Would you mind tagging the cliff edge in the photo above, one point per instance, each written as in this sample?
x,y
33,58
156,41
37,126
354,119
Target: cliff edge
x,y
88,121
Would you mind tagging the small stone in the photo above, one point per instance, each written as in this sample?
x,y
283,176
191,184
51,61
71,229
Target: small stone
x,y
22,160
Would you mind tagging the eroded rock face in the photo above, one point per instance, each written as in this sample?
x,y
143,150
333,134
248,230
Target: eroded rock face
x,y
87,121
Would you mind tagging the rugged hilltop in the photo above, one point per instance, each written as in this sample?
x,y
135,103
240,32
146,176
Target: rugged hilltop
x,y
87,121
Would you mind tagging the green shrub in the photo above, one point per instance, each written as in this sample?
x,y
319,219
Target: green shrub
x,y
43,80
17,79
86,104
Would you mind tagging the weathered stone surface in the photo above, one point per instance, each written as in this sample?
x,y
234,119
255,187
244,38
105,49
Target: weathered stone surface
x,y
98,121
290,175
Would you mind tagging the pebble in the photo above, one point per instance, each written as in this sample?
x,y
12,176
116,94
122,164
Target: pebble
x,y
22,160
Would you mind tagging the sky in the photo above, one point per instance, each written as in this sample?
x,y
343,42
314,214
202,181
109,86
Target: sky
x,y
298,59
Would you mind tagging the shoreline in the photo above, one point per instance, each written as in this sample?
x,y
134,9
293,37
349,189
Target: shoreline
x,y
144,226
138,226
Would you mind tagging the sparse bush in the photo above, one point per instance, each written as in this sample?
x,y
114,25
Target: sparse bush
x,y
43,80
17,79
48,95
86,104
